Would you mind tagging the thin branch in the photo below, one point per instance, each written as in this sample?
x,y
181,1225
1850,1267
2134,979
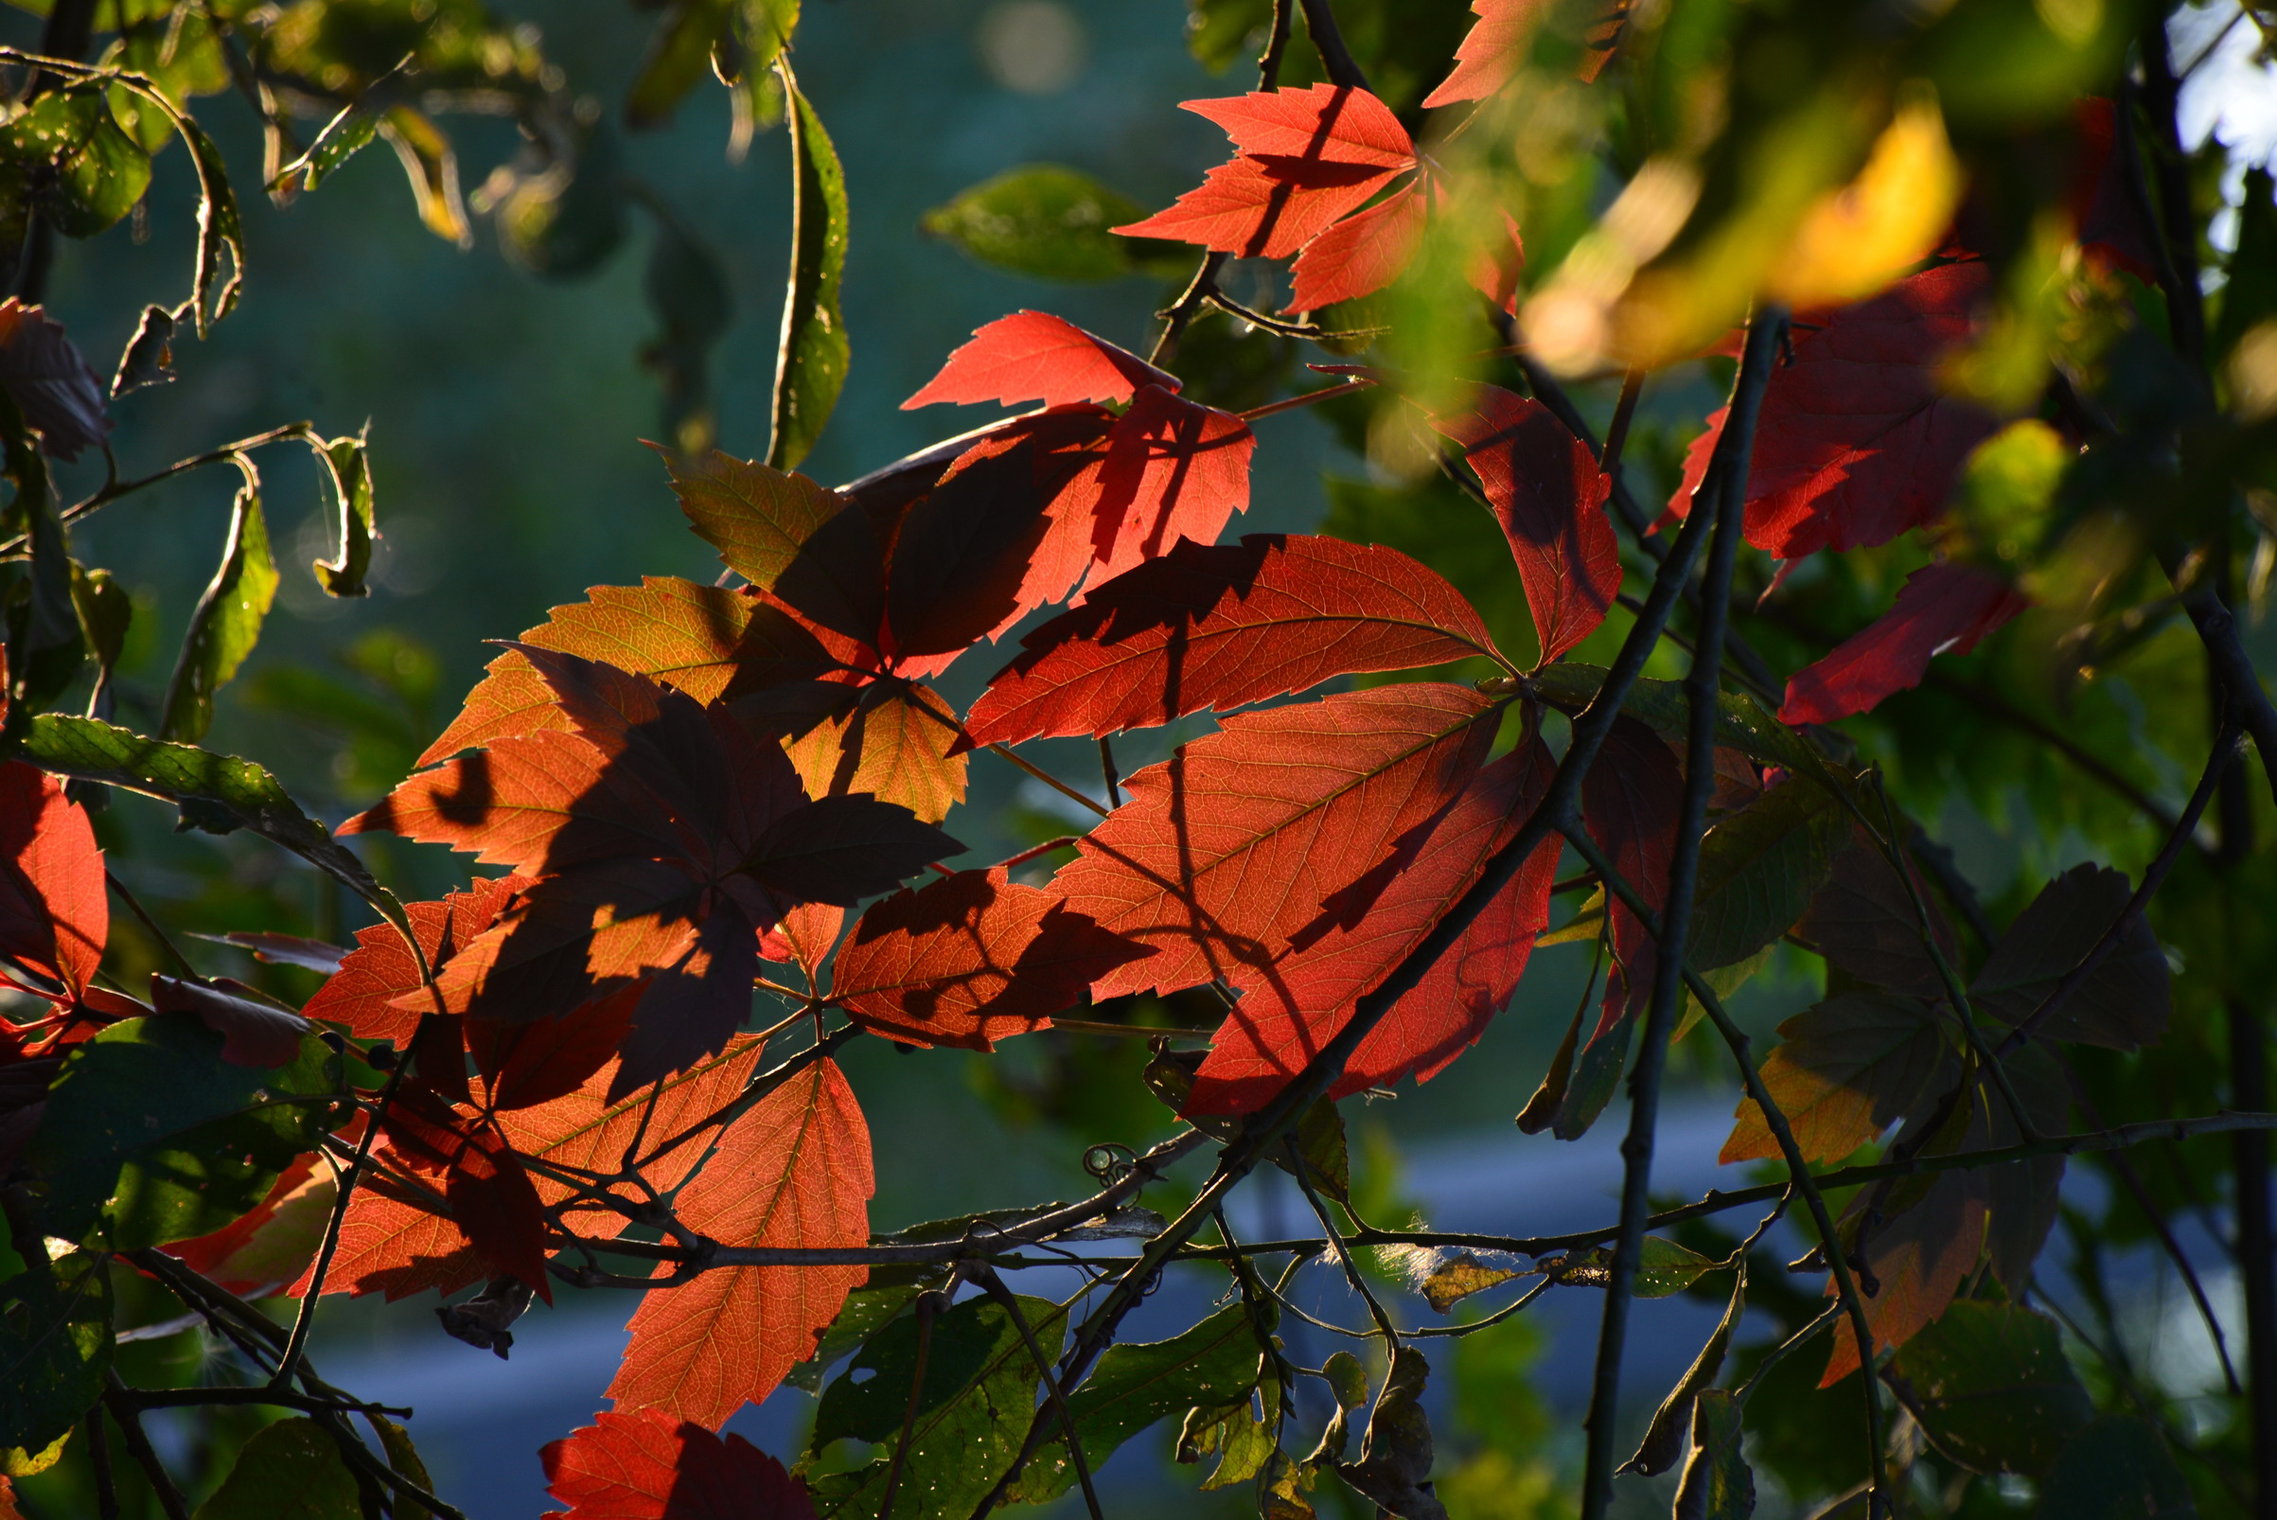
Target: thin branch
x,y
1303,1174
1335,57
1056,1401
1728,475
1109,773
1617,431
172,1398
1047,778
138,1446
142,916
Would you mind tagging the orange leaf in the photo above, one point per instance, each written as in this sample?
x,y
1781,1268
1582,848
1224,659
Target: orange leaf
x,y
648,1466
793,1171
54,916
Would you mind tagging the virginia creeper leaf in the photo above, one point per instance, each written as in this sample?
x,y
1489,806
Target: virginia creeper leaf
x,y
1361,254
1992,1388
1550,498
1501,39
1175,469
1759,868
969,959
47,378
2123,1005
792,1171
1858,441
756,516
1232,846
646,1465
1941,607
55,909
1845,1071
1035,356
1220,626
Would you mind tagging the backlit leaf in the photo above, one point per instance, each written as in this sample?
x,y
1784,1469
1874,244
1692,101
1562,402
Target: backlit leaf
x,y
969,959
1992,1388
54,906
1222,626
1845,1070
1233,845
793,1171
1500,40
646,1465
226,623
810,368
1034,356
1941,608
1042,220
2124,1004
756,516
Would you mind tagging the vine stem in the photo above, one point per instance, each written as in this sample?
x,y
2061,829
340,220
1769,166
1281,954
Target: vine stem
x,y
1799,1174
1264,1128
1729,470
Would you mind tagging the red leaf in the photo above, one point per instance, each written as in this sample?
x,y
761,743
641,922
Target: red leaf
x,y
490,1196
1034,356
1550,498
1858,441
253,1033
1941,607
1222,626
963,555
54,916
2109,226
50,382
362,995
970,959
1629,804
533,1063
793,1171
804,938
394,1242
1306,157
1503,36
1361,254
1233,845
274,1242
648,1466
1289,1011
1321,123
1066,450
1175,469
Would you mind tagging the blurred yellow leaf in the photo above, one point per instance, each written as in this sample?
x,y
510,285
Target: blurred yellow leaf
x,y
1855,240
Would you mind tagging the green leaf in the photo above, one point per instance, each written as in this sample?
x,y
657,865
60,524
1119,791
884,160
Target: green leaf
x,y
84,168
153,1137
679,54
1242,1439
887,1292
1134,1385
810,370
1043,220
291,1470
1717,1483
348,471
220,232
1992,1388
973,1409
46,645
1759,868
432,170
1663,1439
1395,1453
1663,1267
2124,1004
343,137
2117,1468
1741,722
105,613
403,1458
55,1345
227,621
217,793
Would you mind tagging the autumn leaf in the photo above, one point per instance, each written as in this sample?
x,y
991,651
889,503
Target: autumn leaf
x,y
54,913
1305,158
646,1465
969,959
47,378
2123,1004
664,836
1629,805
1845,1070
1218,627
1034,356
1502,38
697,639
398,1240
1291,1009
362,995
1175,469
1941,608
1224,852
756,516
793,1171
1858,441
896,740
1863,920
491,1198
274,1243
1361,254
1549,497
